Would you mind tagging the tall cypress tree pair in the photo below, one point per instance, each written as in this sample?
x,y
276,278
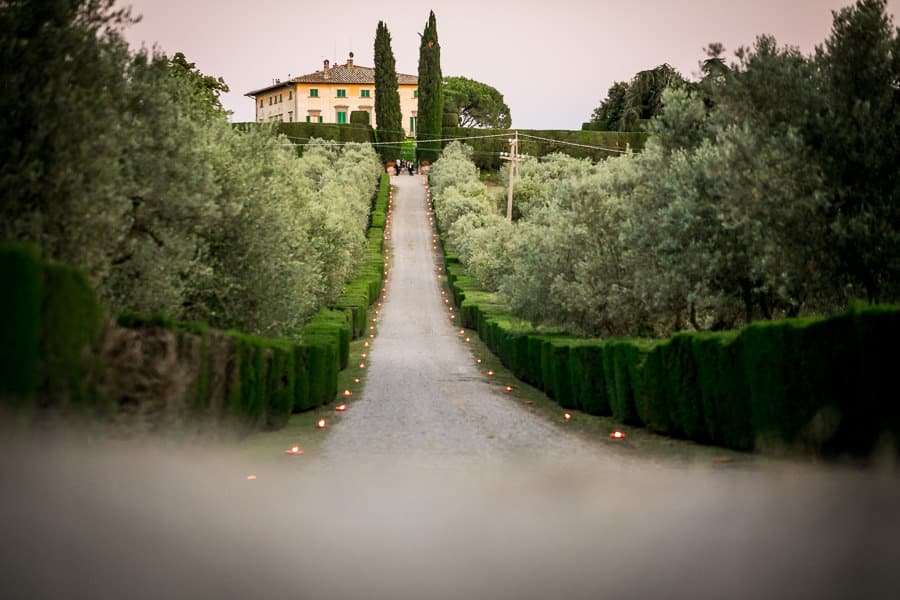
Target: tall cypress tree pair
x,y
387,96
431,94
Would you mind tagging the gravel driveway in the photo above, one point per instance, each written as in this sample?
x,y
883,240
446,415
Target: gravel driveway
x,y
424,398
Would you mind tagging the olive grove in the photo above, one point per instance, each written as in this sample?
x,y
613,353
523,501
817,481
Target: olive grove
x,y
768,189
124,164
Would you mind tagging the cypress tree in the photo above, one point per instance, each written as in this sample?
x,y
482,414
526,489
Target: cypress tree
x,y
431,94
387,95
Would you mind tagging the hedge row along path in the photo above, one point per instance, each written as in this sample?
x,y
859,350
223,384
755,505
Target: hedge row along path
x,y
424,397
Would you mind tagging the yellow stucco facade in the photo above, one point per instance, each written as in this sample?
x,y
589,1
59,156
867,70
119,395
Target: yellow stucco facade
x,y
330,95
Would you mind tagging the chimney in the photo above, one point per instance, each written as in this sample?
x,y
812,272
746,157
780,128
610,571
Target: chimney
x,y
325,70
350,60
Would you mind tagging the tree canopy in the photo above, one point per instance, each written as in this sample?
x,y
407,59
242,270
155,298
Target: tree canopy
x,y
387,96
124,165
627,105
431,95
208,88
475,104
768,189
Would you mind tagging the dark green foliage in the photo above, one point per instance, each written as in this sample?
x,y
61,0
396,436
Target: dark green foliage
x,y
63,87
356,299
359,117
798,378
608,116
535,361
71,320
470,103
560,374
323,368
302,398
300,132
487,150
215,375
206,87
654,407
134,320
332,325
280,386
843,103
268,379
431,94
869,407
627,105
858,143
681,370
52,323
724,393
628,358
20,315
519,354
823,385
588,379
249,385
387,96
327,340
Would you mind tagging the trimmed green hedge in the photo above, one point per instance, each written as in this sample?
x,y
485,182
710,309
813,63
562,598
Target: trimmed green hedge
x,y
365,288
588,379
51,325
819,384
487,150
20,310
301,132
359,117
71,322
52,330
50,342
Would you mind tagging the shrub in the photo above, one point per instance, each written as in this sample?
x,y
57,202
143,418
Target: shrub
x,y
359,117
333,132
486,151
823,385
280,385
20,311
71,320
588,379
247,397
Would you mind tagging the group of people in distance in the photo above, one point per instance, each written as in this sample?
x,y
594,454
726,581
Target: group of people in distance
x,y
401,164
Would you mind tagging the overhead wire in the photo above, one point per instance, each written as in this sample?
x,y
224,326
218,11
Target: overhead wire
x,y
566,143
463,138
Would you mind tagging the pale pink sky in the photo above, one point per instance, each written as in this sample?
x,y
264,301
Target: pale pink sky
x,y
553,61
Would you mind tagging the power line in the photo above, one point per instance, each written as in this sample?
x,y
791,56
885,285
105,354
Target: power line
x,y
543,139
334,142
454,139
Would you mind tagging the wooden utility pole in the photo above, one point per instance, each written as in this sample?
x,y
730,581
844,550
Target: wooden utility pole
x,y
514,159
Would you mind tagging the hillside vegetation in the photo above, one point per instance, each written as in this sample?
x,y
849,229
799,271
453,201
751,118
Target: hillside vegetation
x,y
124,164
768,190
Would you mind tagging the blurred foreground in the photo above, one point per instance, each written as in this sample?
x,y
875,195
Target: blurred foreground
x,y
130,520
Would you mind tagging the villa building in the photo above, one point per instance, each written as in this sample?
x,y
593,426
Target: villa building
x,y
330,95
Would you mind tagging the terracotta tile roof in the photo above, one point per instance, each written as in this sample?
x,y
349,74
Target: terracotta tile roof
x,y
338,74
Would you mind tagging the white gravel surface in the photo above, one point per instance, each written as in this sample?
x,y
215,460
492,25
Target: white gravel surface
x,y
424,398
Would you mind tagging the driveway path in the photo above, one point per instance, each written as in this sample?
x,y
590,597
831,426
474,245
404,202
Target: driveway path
x,y
424,397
